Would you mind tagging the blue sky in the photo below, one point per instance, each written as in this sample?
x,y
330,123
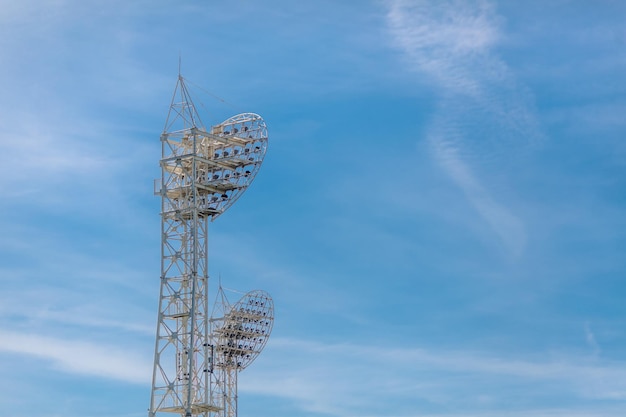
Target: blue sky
x,y
440,216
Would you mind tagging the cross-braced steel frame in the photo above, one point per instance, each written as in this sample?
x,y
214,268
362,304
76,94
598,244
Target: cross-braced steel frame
x,y
238,334
202,174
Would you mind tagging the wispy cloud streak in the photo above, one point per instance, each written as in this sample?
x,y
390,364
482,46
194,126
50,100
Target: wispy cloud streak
x,y
483,114
354,379
78,356
508,227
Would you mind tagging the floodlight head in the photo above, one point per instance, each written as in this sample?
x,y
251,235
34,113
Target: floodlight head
x,y
245,329
238,146
207,171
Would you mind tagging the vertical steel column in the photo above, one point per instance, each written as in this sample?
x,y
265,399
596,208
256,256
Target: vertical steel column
x,y
182,365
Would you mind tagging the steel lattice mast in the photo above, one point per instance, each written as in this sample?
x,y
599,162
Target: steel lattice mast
x,y
202,174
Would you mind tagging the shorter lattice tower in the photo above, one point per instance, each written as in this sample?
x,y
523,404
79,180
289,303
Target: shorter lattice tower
x,y
238,334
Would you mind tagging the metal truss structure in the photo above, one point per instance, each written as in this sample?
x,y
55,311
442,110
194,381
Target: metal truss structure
x,y
196,358
238,334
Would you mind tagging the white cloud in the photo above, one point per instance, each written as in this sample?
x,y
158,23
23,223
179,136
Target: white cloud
x,y
74,310
358,379
38,154
483,114
509,227
440,39
79,356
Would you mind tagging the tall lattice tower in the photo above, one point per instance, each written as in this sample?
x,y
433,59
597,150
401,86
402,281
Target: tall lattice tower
x,y
198,354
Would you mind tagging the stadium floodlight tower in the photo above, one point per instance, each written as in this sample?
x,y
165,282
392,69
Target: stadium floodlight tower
x,y
203,172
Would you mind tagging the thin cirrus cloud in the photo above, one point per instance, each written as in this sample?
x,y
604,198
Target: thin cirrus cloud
x,y
79,356
482,112
56,309
508,227
321,378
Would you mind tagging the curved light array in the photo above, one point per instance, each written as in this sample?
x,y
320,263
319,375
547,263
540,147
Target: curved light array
x,y
238,153
245,330
225,162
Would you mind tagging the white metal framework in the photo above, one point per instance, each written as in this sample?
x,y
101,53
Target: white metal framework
x,y
238,334
202,174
